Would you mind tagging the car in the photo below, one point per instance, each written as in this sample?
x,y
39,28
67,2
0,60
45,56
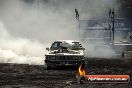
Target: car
x,y
65,53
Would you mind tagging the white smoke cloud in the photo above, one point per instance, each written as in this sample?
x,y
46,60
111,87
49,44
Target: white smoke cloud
x,y
46,17
27,20
19,50
43,20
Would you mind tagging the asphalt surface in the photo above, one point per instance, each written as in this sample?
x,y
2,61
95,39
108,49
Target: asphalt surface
x,y
36,76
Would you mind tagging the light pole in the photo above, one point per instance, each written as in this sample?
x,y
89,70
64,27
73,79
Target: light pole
x,y
112,19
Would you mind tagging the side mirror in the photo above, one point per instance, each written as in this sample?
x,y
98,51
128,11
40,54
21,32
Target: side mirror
x,y
83,49
47,48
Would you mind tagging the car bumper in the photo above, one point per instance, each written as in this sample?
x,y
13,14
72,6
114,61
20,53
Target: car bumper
x,y
63,63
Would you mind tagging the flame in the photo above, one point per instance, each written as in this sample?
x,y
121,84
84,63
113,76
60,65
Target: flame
x,y
81,71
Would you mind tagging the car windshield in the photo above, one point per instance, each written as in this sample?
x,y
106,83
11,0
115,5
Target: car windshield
x,y
71,45
56,46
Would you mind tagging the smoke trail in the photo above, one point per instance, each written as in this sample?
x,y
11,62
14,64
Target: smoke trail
x,y
43,20
25,23
26,18
19,50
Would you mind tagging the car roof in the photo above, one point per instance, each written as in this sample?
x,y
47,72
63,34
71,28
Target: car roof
x,y
69,41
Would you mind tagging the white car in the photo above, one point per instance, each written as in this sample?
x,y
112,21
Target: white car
x,y
65,53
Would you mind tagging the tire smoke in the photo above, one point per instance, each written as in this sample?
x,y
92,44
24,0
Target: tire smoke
x,y
19,50
33,24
